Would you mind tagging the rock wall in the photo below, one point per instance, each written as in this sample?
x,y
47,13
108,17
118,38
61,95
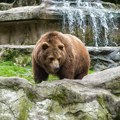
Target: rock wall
x,y
95,97
25,33
23,22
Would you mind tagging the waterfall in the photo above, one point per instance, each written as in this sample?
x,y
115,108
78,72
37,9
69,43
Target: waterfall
x,y
97,17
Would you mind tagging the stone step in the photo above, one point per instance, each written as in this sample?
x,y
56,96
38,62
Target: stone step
x,y
92,50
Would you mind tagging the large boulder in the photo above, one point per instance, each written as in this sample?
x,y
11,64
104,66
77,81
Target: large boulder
x,y
95,97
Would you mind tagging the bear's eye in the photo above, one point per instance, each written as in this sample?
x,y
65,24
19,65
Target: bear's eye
x,y
61,47
45,46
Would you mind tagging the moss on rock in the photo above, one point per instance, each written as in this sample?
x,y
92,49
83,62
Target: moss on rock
x,y
24,107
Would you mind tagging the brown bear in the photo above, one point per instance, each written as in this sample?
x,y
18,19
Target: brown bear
x,y
60,54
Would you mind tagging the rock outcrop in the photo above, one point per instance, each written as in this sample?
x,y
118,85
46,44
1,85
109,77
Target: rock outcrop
x,y
95,97
24,21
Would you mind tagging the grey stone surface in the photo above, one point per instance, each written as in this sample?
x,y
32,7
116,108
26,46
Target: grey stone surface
x,y
8,4
5,6
27,13
18,3
95,97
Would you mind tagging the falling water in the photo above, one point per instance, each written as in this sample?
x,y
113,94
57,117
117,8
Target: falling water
x,y
78,16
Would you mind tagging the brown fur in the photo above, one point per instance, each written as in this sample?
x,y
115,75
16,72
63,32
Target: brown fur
x,y
61,54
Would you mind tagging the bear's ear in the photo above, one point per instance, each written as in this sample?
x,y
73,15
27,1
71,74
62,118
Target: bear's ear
x,y
45,45
61,47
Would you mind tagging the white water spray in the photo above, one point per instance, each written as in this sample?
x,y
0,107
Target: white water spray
x,y
79,14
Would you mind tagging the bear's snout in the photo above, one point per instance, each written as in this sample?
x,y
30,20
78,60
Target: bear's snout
x,y
55,66
56,69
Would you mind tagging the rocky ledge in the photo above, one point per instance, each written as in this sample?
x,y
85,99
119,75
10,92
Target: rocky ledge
x,y
44,10
28,13
95,97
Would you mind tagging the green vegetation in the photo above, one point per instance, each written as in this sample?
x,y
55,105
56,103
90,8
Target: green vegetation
x,y
91,71
9,68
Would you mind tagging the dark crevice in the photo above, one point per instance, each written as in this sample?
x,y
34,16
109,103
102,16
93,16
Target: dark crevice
x,y
7,1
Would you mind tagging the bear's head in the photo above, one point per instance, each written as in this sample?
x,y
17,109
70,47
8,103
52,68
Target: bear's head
x,y
51,55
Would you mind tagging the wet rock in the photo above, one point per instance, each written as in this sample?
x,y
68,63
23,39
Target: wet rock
x,y
115,55
19,3
96,97
5,6
104,57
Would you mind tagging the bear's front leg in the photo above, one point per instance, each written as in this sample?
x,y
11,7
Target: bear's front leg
x,y
81,75
38,72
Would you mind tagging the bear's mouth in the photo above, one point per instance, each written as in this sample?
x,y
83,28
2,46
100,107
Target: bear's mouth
x,y
52,68
54,71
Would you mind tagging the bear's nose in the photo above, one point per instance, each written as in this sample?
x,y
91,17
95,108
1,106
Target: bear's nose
x,y
56,69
